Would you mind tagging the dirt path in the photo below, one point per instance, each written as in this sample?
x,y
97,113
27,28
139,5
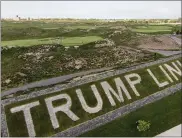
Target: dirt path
x,y
52,81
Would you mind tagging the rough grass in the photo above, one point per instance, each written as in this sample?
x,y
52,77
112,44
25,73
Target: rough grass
x,y
65,41
38,66
163,115
40,115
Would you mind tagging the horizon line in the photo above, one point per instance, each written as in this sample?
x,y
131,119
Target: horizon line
x,y
91,18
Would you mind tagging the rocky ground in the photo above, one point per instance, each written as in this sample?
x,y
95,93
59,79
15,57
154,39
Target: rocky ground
x,y
121,48
40,62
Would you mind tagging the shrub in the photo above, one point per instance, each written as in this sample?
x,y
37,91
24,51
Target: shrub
x,y
143,125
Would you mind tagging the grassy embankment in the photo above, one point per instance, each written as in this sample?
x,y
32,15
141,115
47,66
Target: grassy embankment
x,y
40,115
163,115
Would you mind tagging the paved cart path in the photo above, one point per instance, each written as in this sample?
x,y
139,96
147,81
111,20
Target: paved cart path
x,y
52,81
166,52
173,132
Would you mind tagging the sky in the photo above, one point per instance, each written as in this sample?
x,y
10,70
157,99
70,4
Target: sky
x,y
92,9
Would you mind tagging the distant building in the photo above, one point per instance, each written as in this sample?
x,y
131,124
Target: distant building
x,y
17,18
29,19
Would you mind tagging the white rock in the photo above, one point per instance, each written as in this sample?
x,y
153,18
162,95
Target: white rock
x,y
21,74
78,66
51,57
76,46
7,81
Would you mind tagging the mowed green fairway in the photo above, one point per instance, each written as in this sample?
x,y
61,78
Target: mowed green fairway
x,y
163,115
152,29
66,41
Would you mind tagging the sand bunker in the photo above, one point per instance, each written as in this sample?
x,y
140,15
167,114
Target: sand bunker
x,y
159,43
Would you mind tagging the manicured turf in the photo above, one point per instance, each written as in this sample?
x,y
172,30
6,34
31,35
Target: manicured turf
x,y
12,30
149,31
80,27
40,115
153,29
67,41
163,115
80,40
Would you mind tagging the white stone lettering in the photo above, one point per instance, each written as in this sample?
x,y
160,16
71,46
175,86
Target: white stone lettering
x,y
108,90
28,118
120,85
132,83
88,109
162,84
179,63
173,70
63,108
166,74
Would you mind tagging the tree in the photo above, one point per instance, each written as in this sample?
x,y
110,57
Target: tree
x,y
177,32
143,125
166,21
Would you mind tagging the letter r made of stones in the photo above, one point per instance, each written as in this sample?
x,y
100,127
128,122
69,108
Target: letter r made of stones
x,y
28,118
63,108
